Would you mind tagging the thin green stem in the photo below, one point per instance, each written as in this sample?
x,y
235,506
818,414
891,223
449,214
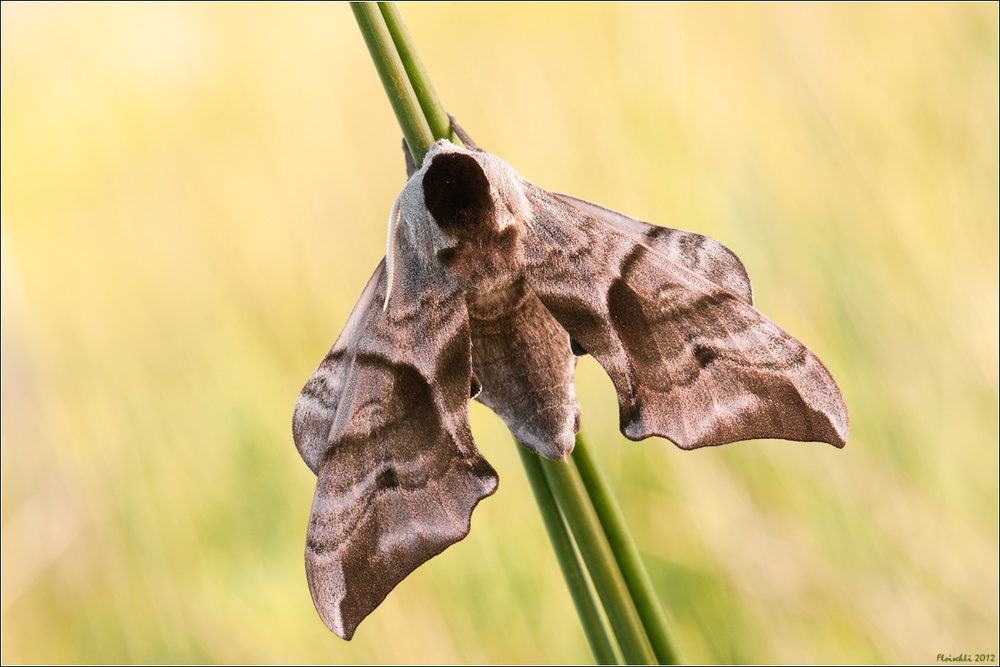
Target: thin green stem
x,y
567,487
594,625
391,71
423,88
654,619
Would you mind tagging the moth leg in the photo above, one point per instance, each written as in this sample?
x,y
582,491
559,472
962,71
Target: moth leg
x,y
463,135
411,166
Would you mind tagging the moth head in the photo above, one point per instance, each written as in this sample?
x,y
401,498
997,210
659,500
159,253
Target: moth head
x,y
475,210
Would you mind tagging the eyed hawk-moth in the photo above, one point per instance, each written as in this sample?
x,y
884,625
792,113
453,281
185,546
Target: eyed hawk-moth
x,y
490,289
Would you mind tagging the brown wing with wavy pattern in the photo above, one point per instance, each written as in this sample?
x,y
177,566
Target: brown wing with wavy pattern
x,y
384,423
690,358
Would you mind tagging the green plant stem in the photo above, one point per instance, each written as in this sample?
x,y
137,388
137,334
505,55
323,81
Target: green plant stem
x,y
433,110
647,604
594,625
391,71
567,487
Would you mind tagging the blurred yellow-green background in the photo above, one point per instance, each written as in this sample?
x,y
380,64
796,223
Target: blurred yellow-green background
x,y
195,194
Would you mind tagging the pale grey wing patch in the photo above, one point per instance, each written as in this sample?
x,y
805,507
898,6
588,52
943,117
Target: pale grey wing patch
x,y
524,362
702,254
690,360
401,475
317,403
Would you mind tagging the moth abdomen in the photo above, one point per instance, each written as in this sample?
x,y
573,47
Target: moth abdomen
x,y
524,360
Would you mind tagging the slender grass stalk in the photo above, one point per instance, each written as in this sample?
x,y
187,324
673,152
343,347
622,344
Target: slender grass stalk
x,y
433,110
647,604
594,624
391,71
567,487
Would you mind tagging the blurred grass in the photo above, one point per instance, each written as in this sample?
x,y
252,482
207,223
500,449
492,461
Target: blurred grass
x,y
194,195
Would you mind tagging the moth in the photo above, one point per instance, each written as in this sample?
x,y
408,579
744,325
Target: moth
x,y
490,289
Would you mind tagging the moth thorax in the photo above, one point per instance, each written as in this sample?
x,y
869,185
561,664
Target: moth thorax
x,y
483,247
491,304
485,264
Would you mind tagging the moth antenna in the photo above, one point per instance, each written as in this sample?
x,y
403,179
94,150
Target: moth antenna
x,y
394,219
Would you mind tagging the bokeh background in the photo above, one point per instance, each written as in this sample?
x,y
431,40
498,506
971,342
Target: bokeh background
x,y
195,194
